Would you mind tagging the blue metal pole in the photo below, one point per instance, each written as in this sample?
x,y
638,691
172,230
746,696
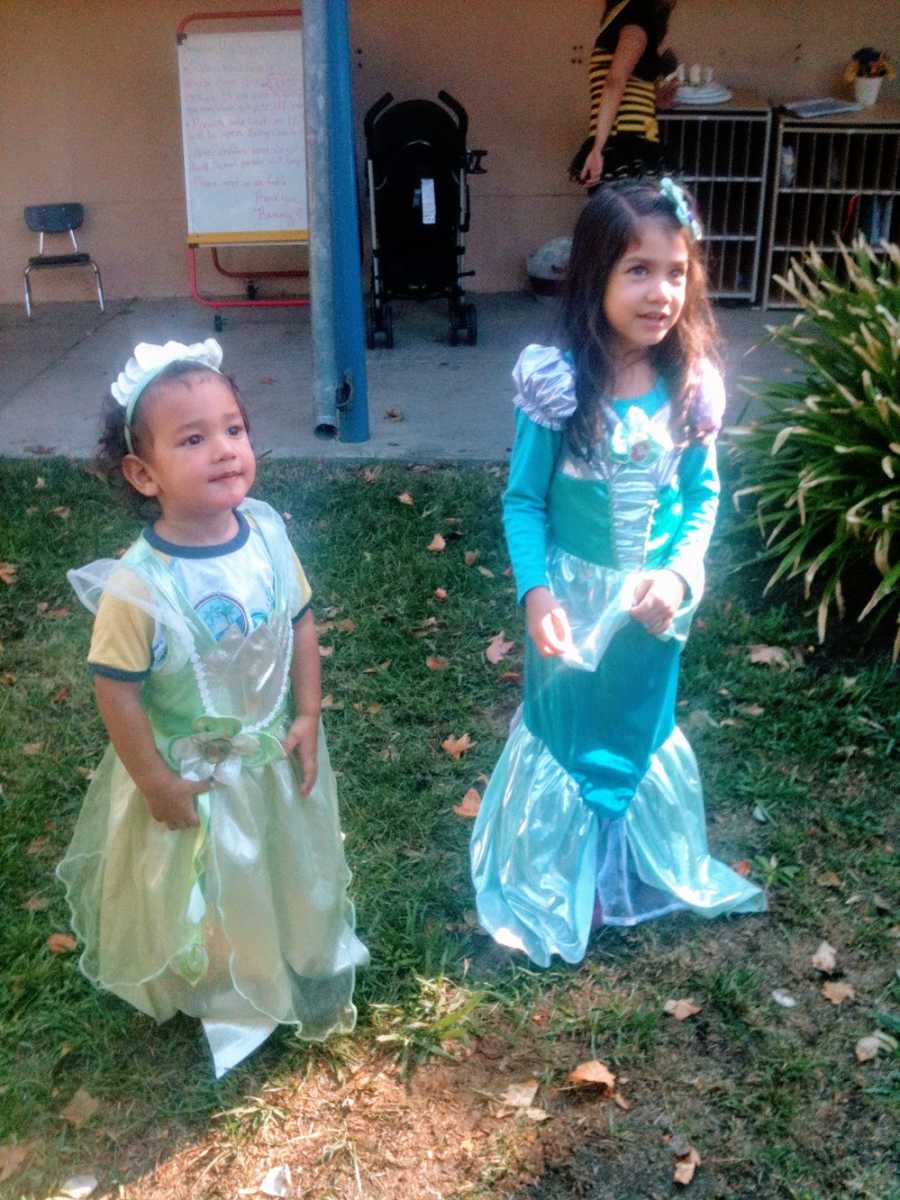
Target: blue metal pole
x,y
339,362
349,323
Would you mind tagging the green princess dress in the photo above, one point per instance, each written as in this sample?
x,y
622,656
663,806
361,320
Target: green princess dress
x,y
245,921
597,796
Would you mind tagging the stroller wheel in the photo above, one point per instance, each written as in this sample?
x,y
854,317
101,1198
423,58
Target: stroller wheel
x,y
470,315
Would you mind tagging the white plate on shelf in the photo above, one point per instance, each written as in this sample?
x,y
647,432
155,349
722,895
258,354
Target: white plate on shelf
x,y
707,93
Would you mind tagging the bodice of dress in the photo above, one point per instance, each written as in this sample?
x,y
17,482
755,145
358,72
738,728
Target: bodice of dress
x,y
212,699
637,502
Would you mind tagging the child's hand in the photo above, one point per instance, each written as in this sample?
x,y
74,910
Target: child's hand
x,y
548,625
657,598
171,800
302,738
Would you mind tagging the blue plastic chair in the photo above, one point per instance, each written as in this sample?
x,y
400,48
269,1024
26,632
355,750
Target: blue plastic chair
x,y
55,219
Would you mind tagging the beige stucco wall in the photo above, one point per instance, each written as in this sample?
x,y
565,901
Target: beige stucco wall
x,y
89,109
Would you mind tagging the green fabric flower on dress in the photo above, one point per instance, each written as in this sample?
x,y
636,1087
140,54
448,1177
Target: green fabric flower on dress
x,y
217,748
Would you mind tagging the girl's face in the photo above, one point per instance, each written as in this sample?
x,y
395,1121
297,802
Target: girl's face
x,y
199,461
646,288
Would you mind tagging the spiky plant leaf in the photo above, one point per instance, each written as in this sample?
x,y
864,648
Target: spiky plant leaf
x,y
822,465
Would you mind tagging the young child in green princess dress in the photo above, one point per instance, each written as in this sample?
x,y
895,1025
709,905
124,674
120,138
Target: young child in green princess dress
x,y
206,873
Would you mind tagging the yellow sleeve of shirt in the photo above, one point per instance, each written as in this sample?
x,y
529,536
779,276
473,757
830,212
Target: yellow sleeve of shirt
x,y
121,642
303,584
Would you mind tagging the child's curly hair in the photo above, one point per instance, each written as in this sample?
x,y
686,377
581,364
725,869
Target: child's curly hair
x,y
112,448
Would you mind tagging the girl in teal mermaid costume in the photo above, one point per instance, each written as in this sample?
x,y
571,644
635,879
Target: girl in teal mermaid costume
x,y
206,873
594,812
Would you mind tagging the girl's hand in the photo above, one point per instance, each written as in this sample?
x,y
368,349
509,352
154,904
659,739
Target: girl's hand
x,y
171,800
302,739
592,169
657,598
548,625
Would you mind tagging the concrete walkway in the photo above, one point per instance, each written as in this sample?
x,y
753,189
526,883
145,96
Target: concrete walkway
x,y
452,403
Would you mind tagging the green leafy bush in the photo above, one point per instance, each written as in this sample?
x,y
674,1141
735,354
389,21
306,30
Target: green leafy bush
x,y
823,463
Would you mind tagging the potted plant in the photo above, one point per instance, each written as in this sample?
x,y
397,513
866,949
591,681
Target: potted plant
x,y
865,71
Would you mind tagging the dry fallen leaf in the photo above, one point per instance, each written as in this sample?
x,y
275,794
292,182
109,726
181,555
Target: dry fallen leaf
x,y
382,666
370,474
61,511
405,498
32,748
36,904
469,805
520,1095
326,651
486,572
56,614
277,1182
511,677
742,867
685,1166
770,656
7,678
40,482
437,544
80,1108
434,662
86,772
537,1114
471,557
619,1099
457,746
60,695
36,846
870,1047
79,1187
498,648
329,703
751,710
838,992
393,414
830,879
61,943
13,1157
8,573
682,1009
785,999
825,959
593,1074
440,594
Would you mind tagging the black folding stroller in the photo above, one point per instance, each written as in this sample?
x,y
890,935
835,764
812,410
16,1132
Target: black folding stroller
x,y
417,167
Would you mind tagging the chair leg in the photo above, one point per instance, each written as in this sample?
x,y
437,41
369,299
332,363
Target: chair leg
x,y
99,283
27,293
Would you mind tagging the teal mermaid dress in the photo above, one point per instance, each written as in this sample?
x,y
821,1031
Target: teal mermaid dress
x,y
597,795
245,921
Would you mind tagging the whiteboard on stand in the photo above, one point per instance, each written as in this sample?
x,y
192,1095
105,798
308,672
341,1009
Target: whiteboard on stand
x,y
244,137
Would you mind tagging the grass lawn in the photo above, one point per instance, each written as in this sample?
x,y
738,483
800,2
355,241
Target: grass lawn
x,y
800,766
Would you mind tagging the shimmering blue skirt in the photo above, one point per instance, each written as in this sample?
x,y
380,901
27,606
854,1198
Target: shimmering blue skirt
x,y
597,794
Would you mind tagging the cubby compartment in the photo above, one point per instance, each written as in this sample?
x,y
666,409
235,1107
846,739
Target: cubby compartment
x,y
831,179
721,156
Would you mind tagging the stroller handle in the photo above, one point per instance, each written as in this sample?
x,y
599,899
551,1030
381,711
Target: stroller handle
x,y
375,112
461,115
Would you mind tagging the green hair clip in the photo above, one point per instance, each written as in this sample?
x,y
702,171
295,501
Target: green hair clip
x,y
679,201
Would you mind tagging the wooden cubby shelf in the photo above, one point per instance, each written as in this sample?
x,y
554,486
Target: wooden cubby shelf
x,y
831,179
721,154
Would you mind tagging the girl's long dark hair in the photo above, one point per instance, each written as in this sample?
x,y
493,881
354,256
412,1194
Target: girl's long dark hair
x,y
609,224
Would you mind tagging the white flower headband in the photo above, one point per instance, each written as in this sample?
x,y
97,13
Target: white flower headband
x,y
148,361
679,201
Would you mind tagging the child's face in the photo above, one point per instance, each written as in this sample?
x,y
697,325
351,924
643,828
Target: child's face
x,y
198,461
646,289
